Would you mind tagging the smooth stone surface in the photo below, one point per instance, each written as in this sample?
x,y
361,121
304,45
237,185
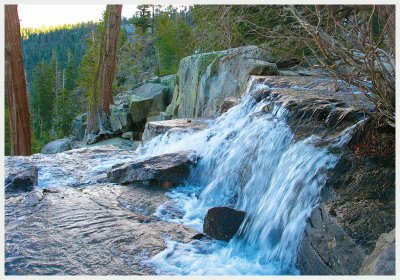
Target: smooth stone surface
x,y
153,129
57,146
102,229
222,223
168,170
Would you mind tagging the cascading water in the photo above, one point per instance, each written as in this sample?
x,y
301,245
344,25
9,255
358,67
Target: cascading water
x,y
249,161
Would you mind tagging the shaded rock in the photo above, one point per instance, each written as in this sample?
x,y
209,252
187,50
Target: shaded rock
x,y
93,138
120,119
222,223
288,63
57,146
155,118
127,135
78,127
228,103
205,80
382,260
152,129
170,82
168,169
147,100
288,73
311,71
165,116
20,175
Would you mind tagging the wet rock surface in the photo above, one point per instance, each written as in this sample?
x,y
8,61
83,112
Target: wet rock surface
x,y
222,223
168,169
316,105
99,230
153,129
75,168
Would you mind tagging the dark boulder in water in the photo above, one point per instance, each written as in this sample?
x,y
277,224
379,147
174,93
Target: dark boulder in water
x,y
168,170
222,223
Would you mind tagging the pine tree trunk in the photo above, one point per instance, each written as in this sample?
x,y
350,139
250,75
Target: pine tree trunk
x,y
15,85
101,96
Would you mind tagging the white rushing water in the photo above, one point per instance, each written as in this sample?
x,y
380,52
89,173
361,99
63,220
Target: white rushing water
x,y
249,161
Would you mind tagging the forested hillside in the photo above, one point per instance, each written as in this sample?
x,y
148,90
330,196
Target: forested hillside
x,y
42,43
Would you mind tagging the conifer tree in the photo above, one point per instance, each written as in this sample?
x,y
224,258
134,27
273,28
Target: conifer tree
x,y
101,92
15,85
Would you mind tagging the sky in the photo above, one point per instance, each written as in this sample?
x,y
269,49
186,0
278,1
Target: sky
x,y
55,14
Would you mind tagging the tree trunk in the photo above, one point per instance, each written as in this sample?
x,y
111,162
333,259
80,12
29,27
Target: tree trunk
x,y
101,96
15,85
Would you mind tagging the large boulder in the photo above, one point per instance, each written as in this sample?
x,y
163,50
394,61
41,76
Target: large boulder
x,y
20,175
57,146
222,223
153,129
147,100
205,80
382,261
167,170
120,119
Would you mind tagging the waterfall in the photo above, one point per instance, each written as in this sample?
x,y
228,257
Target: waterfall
x,y
249,161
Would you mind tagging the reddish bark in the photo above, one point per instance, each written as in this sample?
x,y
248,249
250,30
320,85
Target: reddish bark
x,y
104,75
15,85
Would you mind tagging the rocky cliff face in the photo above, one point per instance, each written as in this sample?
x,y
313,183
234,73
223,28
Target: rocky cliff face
x,y
205,80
